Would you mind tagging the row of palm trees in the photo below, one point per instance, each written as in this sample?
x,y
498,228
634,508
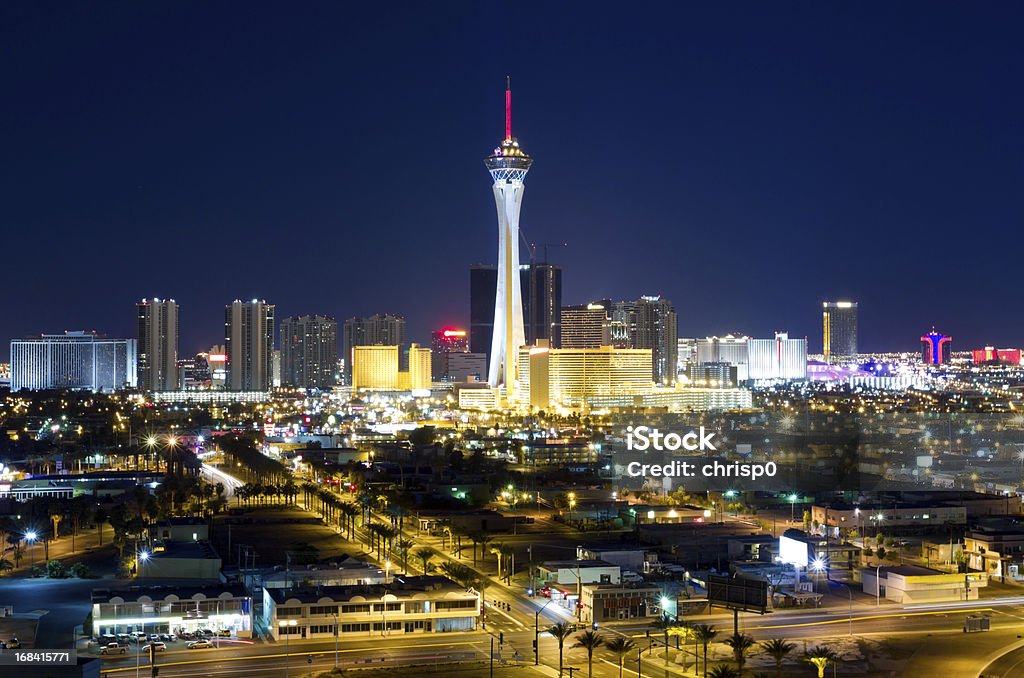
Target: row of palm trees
x,y
741,644
266,493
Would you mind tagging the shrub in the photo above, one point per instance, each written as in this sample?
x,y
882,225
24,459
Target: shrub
x,y
56,570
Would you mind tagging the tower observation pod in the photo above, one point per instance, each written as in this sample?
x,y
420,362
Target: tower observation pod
x,y
508,165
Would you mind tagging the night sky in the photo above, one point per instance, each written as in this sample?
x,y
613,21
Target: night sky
x,y
745,160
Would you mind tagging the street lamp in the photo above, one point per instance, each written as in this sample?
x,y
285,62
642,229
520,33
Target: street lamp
x,y
336,629
30,537
817,565
387,570
282,624
792,507
151,443
536,633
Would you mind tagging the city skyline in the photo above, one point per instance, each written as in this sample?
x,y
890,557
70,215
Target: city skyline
x,y
281,402
847,192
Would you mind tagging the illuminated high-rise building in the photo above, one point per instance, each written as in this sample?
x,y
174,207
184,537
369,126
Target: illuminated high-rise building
x,y
779,358
542,303
508,165
375,368
444,342
839,329
380,329
419,368
571,377
157,326
309,351
249,342
649,322
585,326
73,360
541,286
935,348
728,350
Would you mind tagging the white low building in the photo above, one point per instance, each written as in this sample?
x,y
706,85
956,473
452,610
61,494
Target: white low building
x,y
571,572
405,605
910,584
172,609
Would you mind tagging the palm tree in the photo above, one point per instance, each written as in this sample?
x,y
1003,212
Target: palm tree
x,y
820,656
620,647
778,649
349,512
5,564
740,644
665,624
560,631
723,671
425,554
403,546
589,641
705,633
475,537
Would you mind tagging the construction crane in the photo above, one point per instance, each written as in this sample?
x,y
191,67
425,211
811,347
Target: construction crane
x,y
532,246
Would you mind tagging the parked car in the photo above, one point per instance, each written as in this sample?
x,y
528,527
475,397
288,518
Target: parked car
x,y
168,637
204,633
224,633
153,636
199,645
113,648
156,645
12,644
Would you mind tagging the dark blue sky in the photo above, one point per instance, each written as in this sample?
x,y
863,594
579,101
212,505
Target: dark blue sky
x,y
746,160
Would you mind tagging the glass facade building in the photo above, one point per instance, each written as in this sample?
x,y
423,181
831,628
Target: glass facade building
x,y
839,329
309,351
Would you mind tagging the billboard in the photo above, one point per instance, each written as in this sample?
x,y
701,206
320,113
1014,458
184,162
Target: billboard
x,y
793,551
748,595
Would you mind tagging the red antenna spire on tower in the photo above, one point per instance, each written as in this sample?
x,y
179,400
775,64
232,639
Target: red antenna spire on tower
x,y
508,108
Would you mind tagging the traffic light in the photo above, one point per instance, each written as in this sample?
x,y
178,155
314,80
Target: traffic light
x,y
648,633
501,638
535,646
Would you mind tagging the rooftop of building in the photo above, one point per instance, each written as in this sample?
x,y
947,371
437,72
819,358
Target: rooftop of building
x,y
559,564
906,570
180,590
185,550
180,522
399,587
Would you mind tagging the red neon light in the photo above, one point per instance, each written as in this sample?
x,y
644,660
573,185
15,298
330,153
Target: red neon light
x,y
454,333
508,108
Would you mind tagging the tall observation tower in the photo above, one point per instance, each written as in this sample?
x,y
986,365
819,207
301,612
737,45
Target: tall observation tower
x,y
508,165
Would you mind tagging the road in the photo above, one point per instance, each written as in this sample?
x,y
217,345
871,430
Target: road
x,y
214,475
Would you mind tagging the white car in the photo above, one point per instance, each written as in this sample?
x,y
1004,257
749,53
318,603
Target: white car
x,y
113,648
199,645
156,645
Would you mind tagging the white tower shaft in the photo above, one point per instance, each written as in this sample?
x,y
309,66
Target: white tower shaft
x,y
509,334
